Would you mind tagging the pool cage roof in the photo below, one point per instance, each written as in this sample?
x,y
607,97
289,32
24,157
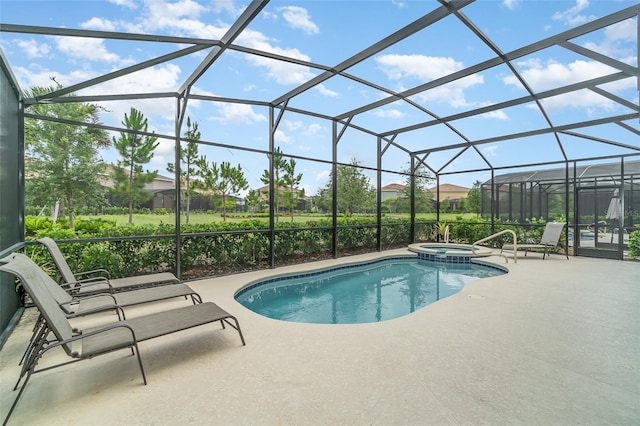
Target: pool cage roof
x,y
447,140
603,173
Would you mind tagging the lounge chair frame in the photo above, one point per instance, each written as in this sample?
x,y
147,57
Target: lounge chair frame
x,y
99,280
81,344
548,242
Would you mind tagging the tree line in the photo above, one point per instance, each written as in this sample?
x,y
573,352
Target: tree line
x,y
64,168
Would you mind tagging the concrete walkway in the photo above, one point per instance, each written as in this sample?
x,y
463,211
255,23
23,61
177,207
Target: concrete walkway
x,y
552,342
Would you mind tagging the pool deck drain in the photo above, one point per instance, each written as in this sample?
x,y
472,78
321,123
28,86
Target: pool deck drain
x,y
555,341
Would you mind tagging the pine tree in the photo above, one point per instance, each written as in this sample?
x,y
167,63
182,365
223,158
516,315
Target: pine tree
x,y
291,180
136,149
188,156
278,183
221,181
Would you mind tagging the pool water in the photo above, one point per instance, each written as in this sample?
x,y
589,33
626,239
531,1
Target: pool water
x,y
370,292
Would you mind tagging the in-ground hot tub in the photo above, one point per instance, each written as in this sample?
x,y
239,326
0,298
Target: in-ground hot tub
x,y
449,252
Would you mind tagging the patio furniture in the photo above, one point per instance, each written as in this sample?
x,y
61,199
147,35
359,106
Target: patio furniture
x,y
80,344
549,241
101,283
78,305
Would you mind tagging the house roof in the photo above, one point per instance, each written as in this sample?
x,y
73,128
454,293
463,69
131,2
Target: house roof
x,y
448,187
393,187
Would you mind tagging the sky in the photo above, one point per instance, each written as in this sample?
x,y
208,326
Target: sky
x,y
328,32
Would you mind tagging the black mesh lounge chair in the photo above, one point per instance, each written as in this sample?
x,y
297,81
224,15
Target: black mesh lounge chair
x,y
89,343
102,282
80,305
549,241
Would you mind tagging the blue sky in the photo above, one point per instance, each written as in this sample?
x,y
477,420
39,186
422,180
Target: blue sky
x,y
328,32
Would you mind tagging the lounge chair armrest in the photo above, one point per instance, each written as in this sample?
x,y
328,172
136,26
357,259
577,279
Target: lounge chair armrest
x,y
78,298
70,286
99,309
82,335
95,271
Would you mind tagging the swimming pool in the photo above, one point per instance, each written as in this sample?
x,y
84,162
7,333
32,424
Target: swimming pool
x,y
360,293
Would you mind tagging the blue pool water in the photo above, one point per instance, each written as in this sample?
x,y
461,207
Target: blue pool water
x,y
369,292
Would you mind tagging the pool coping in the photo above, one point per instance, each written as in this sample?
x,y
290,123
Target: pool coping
x,y
547,343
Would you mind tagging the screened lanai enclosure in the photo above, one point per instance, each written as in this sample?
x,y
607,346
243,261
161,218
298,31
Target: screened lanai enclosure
x,y
294,116
600,201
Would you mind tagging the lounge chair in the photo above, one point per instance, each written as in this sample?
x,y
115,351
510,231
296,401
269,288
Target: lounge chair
x,y
549,241
76,306
77,284
89,343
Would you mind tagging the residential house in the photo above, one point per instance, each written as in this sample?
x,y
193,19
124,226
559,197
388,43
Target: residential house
x,y
453,193
264,197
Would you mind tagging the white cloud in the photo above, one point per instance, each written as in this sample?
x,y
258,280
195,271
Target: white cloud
x,y
269,15
312,130
620,42
42,77
499,114
131,4
428,68
489,150
181,18
281,137
298,18
226,5
162,154
99,24
572,16
291,125
284,73
91,49
389,113
399,3
626,30
323,175
177,9
421,67
33,49
511,4
451,93
155,79
553,74
326,92
238,114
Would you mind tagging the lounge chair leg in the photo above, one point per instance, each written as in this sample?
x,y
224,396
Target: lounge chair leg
x,y
37,330
31,357
15,401
144,377
32,363
237,327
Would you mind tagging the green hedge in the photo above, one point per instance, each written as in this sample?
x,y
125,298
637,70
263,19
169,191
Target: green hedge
x,y
634,244
225,247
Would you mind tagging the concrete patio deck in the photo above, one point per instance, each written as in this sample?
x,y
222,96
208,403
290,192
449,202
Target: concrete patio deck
x,y
555,341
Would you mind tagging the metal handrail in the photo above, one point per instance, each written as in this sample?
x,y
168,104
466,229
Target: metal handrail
x,y
497,234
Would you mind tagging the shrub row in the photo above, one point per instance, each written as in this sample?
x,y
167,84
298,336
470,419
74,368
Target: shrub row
x,y
225,247
634,243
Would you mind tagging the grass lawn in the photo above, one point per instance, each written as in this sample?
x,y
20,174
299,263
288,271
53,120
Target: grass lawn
x,y
199,218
